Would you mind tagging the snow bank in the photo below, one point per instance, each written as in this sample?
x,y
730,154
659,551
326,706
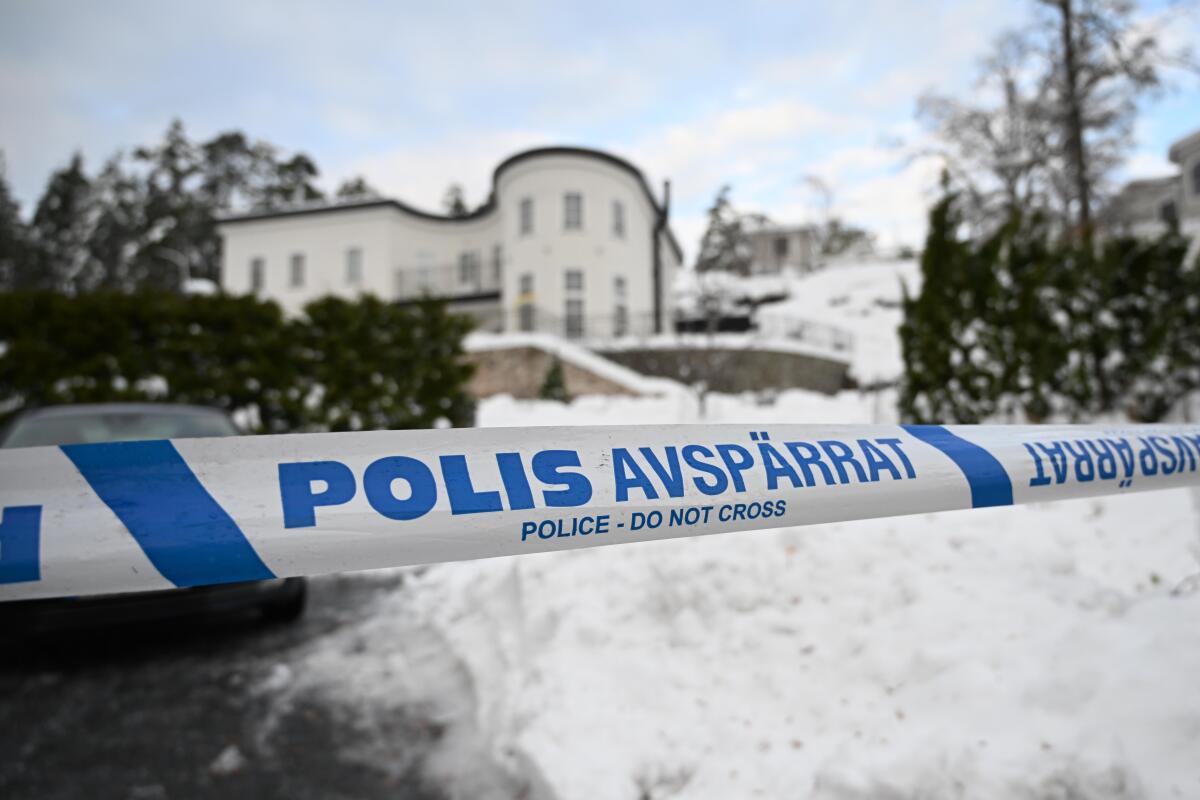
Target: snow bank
x,y
1015,652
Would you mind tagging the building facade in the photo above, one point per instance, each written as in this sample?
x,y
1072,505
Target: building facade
x,y
783,248
570,241
1147,207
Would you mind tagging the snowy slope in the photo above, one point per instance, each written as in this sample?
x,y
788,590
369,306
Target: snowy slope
x,y
863,298
1019,653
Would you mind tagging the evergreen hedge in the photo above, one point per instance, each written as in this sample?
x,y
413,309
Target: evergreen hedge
x,y
342,365
1022,325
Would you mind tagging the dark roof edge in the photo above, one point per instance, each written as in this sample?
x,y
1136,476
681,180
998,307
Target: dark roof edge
x,y
1175,151
477,213
382,202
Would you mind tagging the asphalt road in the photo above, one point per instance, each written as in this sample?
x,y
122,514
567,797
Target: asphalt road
x,y
163,712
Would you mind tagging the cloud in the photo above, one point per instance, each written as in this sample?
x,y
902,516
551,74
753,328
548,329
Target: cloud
x,y
419,174
1147,164
415,96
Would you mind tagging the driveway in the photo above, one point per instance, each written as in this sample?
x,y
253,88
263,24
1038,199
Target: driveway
x,y
171,712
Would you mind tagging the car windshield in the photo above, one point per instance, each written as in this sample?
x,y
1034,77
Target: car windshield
x,y
116,426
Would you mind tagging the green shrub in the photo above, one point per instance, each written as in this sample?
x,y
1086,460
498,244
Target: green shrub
x,y
554,387
1024,325
343,365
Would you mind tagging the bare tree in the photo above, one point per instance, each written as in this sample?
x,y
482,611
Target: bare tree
x,y
998,150
1058,102
1101,58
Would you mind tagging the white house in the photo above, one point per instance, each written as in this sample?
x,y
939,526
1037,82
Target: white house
x,y
783,248
571,241
1146,207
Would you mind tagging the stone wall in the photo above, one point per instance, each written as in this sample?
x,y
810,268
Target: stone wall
x,y
734,369
520,371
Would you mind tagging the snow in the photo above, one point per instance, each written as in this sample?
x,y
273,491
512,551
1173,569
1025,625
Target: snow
x,y
1044,651
731,341
862,297
200,286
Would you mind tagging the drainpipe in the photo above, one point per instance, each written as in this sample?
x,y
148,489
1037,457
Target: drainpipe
x,y
659,225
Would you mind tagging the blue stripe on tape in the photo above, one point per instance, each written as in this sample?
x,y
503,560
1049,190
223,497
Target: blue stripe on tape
x,y
183,531
990,484
20,532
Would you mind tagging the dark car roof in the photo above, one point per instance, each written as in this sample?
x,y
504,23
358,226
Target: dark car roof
x,y
83,409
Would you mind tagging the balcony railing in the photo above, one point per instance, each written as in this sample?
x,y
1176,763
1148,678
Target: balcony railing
x,y
447,282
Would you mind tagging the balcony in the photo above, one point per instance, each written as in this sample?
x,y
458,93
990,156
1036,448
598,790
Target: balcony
x,y
448,282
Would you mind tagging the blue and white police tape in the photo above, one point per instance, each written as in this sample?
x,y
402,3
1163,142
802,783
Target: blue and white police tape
x,y
130,516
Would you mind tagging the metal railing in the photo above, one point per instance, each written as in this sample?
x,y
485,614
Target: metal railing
x,y
631,330
447,282
817,334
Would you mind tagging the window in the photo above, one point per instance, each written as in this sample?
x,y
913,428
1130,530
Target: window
x,y
425,274
1168,213
781,247
1196,178
258,274
526,215
574,280
354,266
297,270
572,211
620,310
527,317
398,283
497,265
618,212
526,283
620,320
468,269
574,318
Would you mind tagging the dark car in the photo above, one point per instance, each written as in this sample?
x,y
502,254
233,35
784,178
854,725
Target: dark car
x,y
278,600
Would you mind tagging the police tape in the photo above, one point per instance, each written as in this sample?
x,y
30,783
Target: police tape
x,y
132,516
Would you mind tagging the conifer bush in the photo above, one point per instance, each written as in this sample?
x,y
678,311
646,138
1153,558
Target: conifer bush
x,y
1022,324
342,365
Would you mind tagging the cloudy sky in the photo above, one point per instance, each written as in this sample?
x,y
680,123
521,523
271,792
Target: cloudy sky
x,y
418,95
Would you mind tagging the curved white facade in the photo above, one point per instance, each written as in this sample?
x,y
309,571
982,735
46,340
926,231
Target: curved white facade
x,y
570,241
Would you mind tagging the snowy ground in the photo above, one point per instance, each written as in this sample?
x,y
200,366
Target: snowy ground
x,y
1044,652
1047,651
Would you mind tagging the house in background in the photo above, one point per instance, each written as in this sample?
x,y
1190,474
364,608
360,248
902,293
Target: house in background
x,y
571,241
1146,207
783,248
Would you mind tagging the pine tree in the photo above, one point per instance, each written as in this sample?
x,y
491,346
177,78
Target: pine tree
x,y
554,387
356,188
116,238
61,227
293,183
945,337
14,238
724,246
453,202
